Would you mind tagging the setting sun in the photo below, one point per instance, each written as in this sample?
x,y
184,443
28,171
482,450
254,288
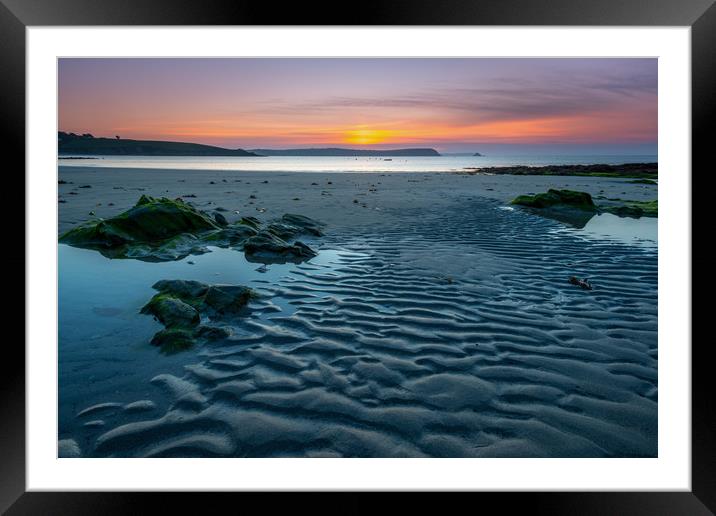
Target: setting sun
x,y
366,136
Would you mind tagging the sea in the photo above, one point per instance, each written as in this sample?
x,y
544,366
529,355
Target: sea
x,y
445,163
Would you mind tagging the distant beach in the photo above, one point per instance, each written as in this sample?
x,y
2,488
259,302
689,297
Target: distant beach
x,y
343,164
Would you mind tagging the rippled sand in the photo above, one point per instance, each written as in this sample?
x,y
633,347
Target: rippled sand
x,y
444,329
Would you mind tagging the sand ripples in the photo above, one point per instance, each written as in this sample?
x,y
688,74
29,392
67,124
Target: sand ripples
x,y
448,334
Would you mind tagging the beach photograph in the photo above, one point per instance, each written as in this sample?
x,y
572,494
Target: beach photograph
x,y
357,257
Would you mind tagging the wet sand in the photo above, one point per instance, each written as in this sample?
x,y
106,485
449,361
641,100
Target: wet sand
x,y
434,322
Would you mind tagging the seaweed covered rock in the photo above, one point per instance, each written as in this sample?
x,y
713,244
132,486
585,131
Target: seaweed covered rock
x,y
151,220
232,235
282,230
554,198
305,224
266,247
227,298
213,332
155,229
187,290
171,340
634,209
567,206
180,304
220,219
172,312
161,229
251,222
210,299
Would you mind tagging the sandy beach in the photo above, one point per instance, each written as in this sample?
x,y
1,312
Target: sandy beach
x,y
436,320
327,197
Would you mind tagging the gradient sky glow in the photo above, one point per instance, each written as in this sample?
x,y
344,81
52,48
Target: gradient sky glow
x,y
453,105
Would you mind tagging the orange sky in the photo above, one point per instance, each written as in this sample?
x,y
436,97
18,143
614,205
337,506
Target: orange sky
x,y
450,104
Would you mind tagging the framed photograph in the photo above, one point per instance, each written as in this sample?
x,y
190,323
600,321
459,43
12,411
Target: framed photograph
x,y
436,249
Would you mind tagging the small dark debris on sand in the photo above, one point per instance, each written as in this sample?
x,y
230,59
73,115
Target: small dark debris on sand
x,y
584,283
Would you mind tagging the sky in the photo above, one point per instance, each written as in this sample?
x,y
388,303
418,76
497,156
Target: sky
x,y
598,105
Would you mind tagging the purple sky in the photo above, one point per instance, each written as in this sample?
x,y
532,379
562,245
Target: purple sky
x,y
453,105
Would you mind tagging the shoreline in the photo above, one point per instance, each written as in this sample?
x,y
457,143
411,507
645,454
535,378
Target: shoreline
x,y
345,199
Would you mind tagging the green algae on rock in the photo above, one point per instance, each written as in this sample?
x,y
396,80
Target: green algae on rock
x,y
577,208
172,340
555,198
567,206
161,229
150,220
634,209
180,304
266,247
171,311
155,229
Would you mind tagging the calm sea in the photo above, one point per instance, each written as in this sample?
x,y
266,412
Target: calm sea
x,y
347,164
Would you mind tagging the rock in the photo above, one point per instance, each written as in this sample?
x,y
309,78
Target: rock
x,y
220,219
214,332
568,206
149,221
171,311
268,248
227,298
306,224
171,340
283,230
231,235
584,283
634,209
626,211
581,200
184,289
177,306
251,222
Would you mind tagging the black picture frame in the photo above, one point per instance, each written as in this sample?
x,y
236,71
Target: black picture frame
x,y
16,15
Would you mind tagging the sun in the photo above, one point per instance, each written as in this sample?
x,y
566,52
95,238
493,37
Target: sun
x,y
366,136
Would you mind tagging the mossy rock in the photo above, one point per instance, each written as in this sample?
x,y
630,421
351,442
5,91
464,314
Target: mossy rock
x,y
251,222
210,299
189,291
173,340
171,311
232,235
634,209
151,220
227,298
554,198
283,230
305,224
268,248
214,333
178,306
